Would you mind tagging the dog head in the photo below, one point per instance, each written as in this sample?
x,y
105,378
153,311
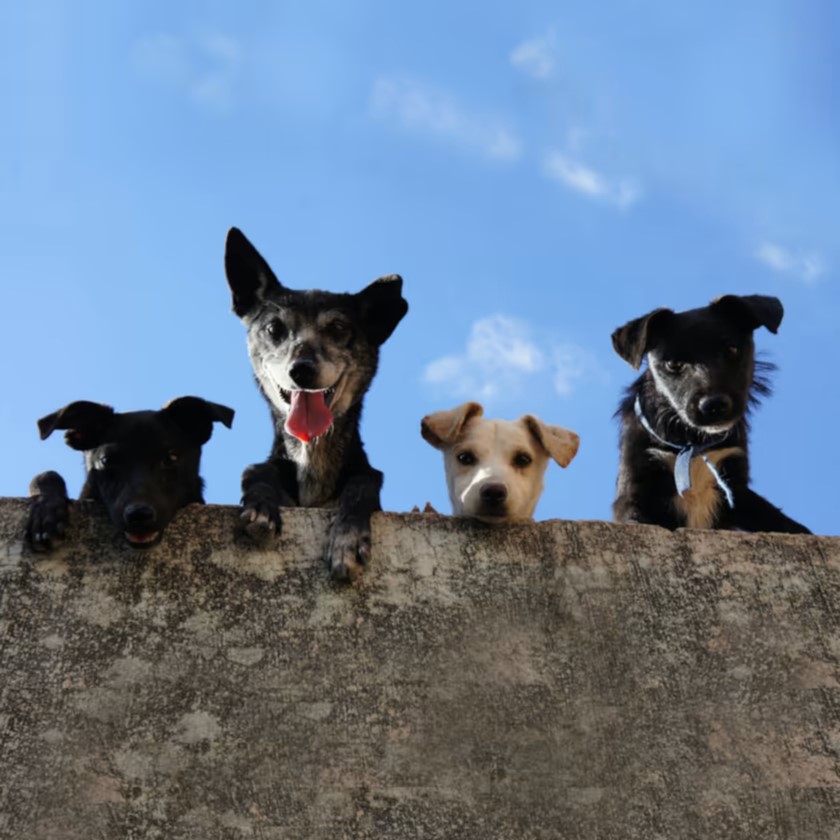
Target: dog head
x,y
495,468
314,353
703,360
142,465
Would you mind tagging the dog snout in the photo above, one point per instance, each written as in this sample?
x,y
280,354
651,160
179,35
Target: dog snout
x,y
493,494
139,515
304,373
715,407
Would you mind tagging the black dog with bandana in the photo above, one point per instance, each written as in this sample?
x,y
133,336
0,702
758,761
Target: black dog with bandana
x,y
684,460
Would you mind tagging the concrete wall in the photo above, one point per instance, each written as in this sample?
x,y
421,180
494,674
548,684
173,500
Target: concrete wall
x,y
560,680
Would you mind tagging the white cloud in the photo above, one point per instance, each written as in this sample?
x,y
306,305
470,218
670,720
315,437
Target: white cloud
x,y
805,267
622,192
205,68
535,57
570,364
418,107
502,359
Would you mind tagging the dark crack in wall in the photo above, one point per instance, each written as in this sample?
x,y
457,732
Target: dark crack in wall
x,y
558,680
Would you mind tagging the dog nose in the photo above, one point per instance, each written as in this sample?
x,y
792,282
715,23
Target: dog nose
x,y
138,515
304,373
715,407
493,494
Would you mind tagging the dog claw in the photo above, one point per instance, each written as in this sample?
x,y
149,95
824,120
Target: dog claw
x,y
260,525
344,573
348,550
46,524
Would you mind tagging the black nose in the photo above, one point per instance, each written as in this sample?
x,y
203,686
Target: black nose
x,y
493,494
304,373
138,515
715,407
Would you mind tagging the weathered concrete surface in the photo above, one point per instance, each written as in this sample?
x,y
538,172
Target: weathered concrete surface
x,y
562,680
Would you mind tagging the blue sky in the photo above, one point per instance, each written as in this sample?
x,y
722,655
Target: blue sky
x,y
539,173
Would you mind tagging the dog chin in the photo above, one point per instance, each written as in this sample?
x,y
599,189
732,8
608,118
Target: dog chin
x,y
494,518
143,540
719,429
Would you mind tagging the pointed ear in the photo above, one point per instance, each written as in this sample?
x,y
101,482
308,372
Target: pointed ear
x,y
86,424
249,275
445,427
752,311
561,444
382,307
196,416
633,340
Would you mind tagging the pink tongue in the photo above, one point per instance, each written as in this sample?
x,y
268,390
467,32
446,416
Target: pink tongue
x,y
309,415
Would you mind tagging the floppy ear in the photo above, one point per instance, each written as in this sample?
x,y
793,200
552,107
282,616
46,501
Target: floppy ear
x,y
752,311
561,444
86,423
382,307
196,416
445,427
632,341
249,275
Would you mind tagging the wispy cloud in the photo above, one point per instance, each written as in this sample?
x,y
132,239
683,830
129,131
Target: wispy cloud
x,y
620,192
535,58
808,268
204,67
427,110
502,359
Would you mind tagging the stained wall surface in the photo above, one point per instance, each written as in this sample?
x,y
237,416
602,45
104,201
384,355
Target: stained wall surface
x,y
558,680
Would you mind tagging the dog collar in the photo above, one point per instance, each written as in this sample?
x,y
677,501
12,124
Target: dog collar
x,y
682,464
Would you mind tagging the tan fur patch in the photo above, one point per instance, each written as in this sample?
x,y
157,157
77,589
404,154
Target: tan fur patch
x,y
699,505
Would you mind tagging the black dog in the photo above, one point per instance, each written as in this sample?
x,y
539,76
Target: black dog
x,y
684,428
314,356
141,465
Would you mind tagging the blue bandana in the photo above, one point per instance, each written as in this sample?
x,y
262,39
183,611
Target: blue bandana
x,y
682,465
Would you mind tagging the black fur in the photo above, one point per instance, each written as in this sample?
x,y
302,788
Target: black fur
x,y
313,341
142,466
700,383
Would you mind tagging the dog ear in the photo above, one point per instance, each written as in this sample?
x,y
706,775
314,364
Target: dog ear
x,y
249,275
752,311
196,416
561,444
382,307
633,340
86,424
445,427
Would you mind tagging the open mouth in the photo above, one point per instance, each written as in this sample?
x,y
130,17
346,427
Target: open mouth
x,y
328,393
142,540
309,414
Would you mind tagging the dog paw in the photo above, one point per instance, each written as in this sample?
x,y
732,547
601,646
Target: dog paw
x,y
47,521
348,548
260,521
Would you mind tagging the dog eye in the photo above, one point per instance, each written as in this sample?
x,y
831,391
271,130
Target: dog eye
x,y
106,462
522,459
733,352
170,459
337,330
674,367
466,458
276,330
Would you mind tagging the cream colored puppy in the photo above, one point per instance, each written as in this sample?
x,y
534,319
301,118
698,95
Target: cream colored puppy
x,y
495,468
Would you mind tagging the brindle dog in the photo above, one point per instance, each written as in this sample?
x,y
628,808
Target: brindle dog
x,y
314,356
